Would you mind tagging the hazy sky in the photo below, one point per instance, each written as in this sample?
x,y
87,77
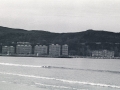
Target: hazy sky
x,y
61,15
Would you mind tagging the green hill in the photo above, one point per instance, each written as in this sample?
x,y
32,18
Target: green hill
x,y
79,42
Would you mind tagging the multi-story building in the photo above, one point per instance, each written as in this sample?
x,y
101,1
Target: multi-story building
x,y
103,53
9,50
23,48
40,50
65,49
23,43
54,50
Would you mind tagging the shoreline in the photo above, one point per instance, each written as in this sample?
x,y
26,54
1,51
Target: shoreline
x,y
48,56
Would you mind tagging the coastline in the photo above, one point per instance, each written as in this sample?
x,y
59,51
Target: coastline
x,y
48,56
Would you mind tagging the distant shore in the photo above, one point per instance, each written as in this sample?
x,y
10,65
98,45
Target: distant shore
x,y
32,55
69,56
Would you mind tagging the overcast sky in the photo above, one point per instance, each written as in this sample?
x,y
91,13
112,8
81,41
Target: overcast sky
x,y
61,15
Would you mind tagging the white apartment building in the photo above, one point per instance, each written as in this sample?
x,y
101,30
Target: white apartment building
x,y
65,49
23,49
102,53
40,50
54,50
8,50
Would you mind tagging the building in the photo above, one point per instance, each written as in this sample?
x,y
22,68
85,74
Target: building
x,y
9,50
23,43
54,50
65,49
103,53
40,50
23,48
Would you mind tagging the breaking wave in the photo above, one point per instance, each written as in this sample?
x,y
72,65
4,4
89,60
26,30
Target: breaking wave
x,y
55,86
62,80
45,85
55,67
19,65
116,72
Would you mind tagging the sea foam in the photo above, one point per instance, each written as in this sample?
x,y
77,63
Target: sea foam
x,y
55,67
63,80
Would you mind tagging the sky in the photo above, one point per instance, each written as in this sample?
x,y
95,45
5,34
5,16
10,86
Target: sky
x,y
61,15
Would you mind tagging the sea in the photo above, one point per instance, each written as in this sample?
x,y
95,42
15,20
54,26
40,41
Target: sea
x,y
37,73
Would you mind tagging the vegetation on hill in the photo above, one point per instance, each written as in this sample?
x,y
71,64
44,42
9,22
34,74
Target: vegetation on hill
x,y
80,43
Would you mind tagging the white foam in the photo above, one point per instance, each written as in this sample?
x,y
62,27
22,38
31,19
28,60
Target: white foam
x,y
30,76
63,80
88,83
19,65
3,81
62,87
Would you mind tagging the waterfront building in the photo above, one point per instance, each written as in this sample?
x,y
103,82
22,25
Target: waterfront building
x,y
23,43
54,50
23,48
103,53
9,50
40,50
65,49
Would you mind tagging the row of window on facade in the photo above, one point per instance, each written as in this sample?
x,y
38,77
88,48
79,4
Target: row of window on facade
x,y
54,50
102,53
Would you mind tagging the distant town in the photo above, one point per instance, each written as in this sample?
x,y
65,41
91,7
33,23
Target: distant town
x,y
39,43
26,49
53,50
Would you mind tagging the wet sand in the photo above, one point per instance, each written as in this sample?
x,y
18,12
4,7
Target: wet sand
x,y
12,86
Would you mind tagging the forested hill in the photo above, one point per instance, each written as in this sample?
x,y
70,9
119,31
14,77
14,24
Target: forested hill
x,y
89,38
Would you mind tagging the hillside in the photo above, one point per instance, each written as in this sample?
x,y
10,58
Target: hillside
x,y
79,43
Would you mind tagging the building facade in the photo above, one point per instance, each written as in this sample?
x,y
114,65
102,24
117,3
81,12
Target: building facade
x,y
54,50
103,53
65,49
40,50
9,50
23,48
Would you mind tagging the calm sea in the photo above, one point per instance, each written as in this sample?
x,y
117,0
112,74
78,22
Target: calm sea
x,y
59,73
